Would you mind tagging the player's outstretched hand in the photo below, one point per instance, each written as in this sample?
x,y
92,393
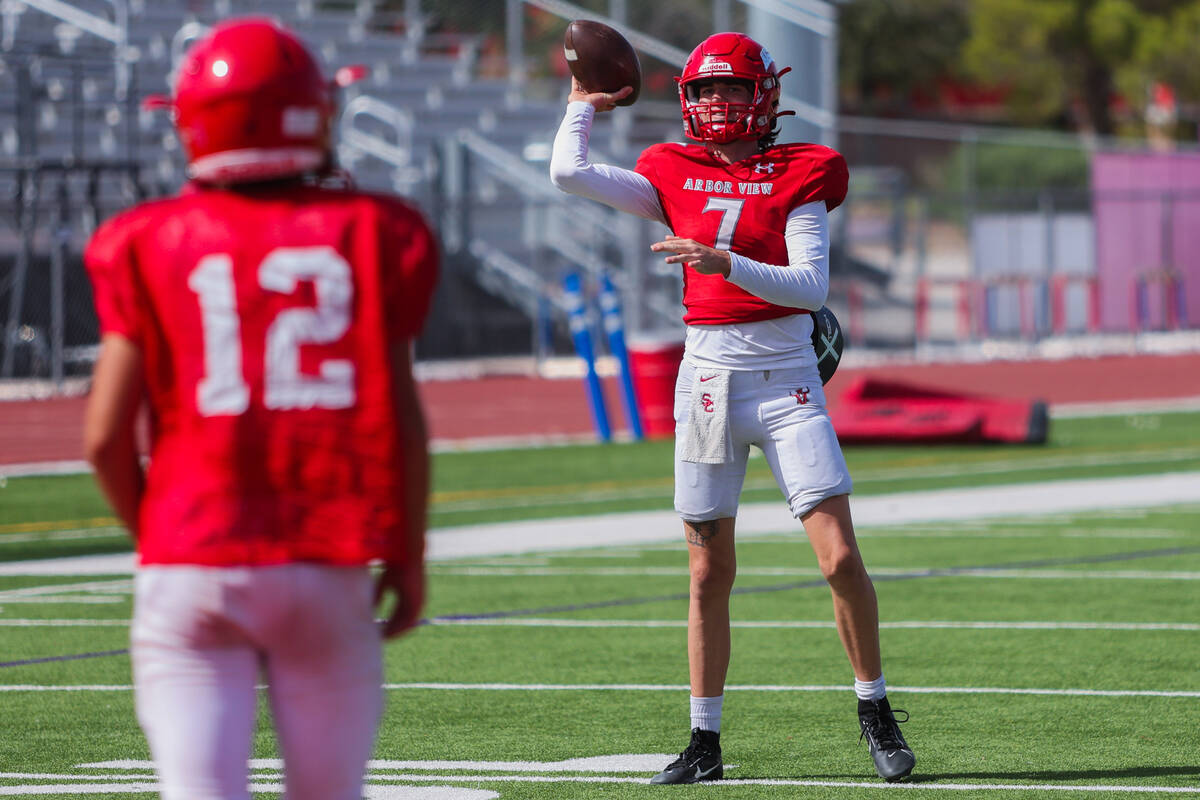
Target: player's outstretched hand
x,y
601,101
699,257
407,584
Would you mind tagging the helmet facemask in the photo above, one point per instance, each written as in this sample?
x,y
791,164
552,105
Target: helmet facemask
x,y
723,122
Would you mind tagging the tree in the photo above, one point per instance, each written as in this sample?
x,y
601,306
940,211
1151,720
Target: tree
x,y
1166,53
891,50
1059,58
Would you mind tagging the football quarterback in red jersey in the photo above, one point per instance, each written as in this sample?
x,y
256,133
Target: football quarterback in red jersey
x,y
266,316
749,226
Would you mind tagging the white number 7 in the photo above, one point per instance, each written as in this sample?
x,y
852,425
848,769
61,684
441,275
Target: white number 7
x,y
223,390
730,211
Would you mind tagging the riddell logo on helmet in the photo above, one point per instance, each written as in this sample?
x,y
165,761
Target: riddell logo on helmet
x,y
716,66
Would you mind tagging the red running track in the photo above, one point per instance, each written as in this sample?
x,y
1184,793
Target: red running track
x,y
520,407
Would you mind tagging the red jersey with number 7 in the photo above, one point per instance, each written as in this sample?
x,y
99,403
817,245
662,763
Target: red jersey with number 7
x,y
265,318
740,207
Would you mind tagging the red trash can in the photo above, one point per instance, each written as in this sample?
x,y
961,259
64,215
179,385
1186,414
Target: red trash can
x,y
654,365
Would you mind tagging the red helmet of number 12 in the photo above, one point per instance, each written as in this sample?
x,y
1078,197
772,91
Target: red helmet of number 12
x,y
250,103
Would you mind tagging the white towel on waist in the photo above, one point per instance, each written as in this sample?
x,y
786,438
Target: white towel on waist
x,y
706,439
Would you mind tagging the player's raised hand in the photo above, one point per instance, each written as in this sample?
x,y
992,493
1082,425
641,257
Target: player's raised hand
x,y
699,257
601,101
407,583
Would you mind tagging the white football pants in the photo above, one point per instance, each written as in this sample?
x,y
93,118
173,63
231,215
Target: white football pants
x,y
780,411
200,637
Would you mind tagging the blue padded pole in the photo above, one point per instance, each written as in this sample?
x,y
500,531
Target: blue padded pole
x,y
614,328
582,337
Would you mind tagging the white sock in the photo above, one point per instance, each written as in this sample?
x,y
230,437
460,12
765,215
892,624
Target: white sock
x,y
706,713
871,690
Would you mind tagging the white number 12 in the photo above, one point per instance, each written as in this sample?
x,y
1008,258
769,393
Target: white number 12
x,y
223,390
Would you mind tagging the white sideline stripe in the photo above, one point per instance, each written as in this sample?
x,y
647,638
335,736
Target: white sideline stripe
x,y
527,622
111,564
1124,407
1012,500
647,687
653,527
34,469
554,496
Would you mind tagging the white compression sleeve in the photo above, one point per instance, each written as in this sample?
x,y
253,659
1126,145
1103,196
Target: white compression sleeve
x,y
804,281
571,171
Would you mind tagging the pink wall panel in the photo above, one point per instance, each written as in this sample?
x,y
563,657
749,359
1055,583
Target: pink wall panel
x,y
1147,214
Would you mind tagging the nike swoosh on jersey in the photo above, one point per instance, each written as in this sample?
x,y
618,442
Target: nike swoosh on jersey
x,y
709,378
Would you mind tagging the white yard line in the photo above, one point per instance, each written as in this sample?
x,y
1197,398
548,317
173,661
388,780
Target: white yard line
x,y
645,687
121,783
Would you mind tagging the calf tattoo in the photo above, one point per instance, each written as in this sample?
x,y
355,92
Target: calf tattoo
x,y
700,533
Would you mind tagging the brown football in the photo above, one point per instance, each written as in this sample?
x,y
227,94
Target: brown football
x,y
601,59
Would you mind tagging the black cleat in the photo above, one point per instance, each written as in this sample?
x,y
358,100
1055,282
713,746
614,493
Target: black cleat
x,y
701,761
894,759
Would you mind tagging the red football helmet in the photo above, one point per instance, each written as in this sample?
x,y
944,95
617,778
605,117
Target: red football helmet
x,y
730,56
250,104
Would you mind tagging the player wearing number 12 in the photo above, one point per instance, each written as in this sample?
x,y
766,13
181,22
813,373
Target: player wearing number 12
x,y
267,318
749,226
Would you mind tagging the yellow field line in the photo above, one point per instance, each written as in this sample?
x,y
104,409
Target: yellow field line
x,y
58,525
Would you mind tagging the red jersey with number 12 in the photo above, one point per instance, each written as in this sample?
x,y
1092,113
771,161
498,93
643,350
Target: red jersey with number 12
x,y
740,207
265,319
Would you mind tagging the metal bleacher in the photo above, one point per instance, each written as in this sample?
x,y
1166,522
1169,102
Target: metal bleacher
x,y
470,150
